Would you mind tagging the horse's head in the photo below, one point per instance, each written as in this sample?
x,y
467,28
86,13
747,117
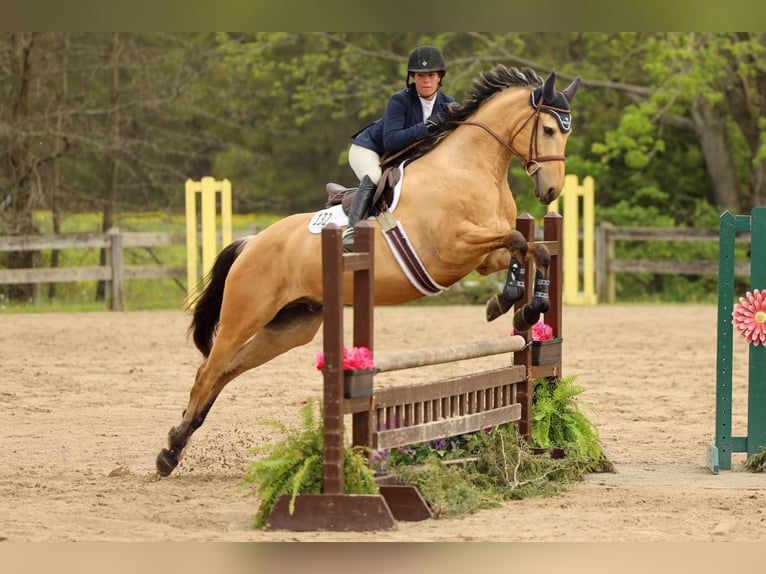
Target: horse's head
x,y
541,126
547,129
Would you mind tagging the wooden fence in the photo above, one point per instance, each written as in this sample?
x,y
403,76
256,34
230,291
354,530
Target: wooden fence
x,y
115,272
607,265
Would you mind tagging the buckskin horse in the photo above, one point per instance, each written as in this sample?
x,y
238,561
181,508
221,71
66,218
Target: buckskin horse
x,y
263,295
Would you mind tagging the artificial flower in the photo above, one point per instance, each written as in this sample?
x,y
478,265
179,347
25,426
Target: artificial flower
x,y
749,317
541,331
354,359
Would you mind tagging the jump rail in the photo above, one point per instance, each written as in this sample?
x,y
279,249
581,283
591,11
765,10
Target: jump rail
x,y
413,413
422,358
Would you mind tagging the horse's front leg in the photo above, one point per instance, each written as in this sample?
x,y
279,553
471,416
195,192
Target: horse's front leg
x,y
513,290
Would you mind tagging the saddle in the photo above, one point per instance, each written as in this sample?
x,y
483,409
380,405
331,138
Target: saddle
x,y
383,197
389,162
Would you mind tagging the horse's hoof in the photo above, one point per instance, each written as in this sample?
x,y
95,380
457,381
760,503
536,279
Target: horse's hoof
x,y
524,319
494,308
166,462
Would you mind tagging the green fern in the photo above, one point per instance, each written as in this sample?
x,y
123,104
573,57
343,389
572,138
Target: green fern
x,y
558,421
294,465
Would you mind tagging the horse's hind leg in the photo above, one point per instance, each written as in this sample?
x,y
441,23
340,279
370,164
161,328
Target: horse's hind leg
x,y
514,287
292,327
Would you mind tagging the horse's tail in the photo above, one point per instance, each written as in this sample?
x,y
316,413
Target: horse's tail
x,y
207,305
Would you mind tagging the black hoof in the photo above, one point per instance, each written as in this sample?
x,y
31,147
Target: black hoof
x,y
495,308
166,462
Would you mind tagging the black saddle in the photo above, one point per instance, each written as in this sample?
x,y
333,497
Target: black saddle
x,y
384,193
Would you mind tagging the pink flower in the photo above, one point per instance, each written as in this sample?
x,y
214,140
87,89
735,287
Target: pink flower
x,y
749,317
541,331
354,359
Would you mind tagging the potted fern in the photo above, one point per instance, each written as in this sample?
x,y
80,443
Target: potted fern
x,y
294,465
559,423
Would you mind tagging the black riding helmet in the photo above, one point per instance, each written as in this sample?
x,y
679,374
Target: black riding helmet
x,y
426,59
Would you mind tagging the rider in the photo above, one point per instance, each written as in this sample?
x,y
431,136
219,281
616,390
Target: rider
x,y
411,114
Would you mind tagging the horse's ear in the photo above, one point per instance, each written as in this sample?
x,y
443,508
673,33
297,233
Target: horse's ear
x,y
570,91
549,89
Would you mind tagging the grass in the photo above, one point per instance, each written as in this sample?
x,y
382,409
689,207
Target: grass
x,y
139,294
146,294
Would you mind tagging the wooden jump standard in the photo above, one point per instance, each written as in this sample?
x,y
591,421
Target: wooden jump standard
x,y
414,413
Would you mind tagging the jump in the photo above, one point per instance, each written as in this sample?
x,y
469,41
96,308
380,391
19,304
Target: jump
x,y
263,295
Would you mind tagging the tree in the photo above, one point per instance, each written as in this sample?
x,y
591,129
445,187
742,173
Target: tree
x,y
710,86
26,152
96,122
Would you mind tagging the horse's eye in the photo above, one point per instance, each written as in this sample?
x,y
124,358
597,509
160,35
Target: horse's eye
x,y
547,130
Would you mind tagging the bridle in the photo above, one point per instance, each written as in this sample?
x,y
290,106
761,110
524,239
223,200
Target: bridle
x,y
532,161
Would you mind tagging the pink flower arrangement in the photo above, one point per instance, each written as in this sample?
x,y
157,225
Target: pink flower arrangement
x,y
541,331
749,317
354,359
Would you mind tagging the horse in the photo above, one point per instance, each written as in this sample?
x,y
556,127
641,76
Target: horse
x,y
263,294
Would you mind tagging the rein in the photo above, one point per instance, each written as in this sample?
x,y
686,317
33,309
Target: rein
x,y
532,161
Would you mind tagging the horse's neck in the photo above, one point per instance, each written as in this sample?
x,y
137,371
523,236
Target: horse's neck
x,y
472,147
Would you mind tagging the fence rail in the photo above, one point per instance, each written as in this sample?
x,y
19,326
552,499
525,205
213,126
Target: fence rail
x,y
115,272
607,265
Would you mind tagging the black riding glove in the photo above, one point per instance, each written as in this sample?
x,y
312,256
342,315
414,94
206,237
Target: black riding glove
x,y
436,123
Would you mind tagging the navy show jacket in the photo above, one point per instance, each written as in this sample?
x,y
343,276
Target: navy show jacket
x,y
401,124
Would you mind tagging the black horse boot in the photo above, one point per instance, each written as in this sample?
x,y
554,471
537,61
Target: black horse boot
x,y
360,205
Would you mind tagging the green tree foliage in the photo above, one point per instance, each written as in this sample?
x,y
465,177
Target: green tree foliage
x,y
115,122
697,133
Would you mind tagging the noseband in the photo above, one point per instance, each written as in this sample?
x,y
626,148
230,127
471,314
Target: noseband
x,y
532,161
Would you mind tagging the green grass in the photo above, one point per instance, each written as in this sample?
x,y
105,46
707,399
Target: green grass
x,y
79,296
171,294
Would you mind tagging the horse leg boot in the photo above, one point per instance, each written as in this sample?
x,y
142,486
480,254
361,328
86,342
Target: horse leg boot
x,y
529,314
514,280
512,291
360,205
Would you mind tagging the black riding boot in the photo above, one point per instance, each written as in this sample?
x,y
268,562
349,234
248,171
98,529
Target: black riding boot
x,y
360,205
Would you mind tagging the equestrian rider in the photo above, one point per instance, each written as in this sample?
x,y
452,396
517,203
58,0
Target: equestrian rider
x,y
411,114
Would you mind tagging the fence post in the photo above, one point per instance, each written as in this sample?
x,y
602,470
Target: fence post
x,y
573,254
756,388
605,285
207,187
117,265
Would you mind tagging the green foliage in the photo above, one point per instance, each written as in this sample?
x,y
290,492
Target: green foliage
x,y
506,460
466,473
274,112
449,490
668,288
457,475
293,466
500,467
757,462
559,422
138,293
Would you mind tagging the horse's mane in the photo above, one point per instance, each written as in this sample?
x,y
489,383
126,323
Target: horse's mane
x,y
490,83
487,85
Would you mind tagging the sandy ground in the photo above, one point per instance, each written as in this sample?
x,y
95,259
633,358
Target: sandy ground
x,y
86,402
